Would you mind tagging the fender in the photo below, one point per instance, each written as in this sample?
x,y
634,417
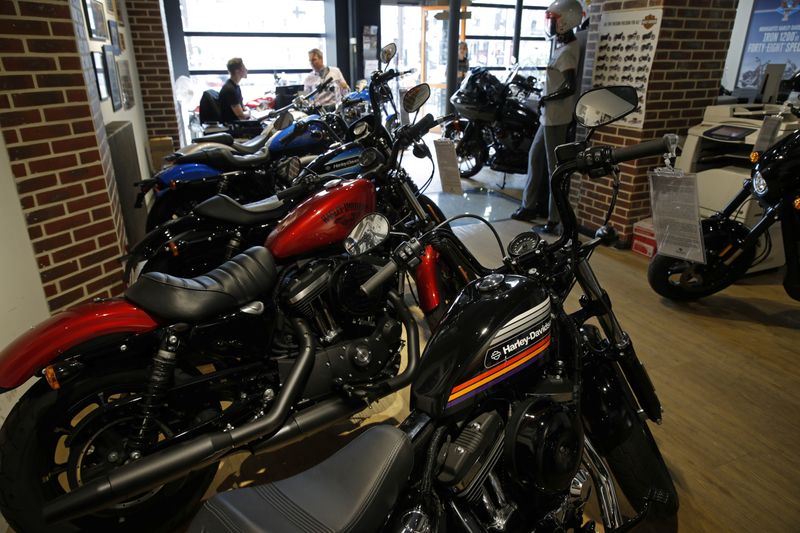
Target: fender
x,y
426,280
184,174
42,344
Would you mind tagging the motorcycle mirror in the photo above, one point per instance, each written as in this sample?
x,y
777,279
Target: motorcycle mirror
x,y
283,121
388,52
603,105
607,235
416,97
370,157
369,233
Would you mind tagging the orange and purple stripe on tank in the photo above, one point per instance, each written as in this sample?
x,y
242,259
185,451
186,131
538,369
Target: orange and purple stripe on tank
x,y
497,374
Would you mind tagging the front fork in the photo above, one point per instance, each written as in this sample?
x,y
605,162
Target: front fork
x,y
596,302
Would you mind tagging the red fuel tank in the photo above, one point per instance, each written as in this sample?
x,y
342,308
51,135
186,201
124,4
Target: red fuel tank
x,y
322,220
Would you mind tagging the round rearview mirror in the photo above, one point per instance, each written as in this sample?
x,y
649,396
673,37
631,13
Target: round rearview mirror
x,y
283,121
369,233
388,52
604,105
416,97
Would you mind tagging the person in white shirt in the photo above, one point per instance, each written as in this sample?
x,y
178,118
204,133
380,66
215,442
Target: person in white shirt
x,y
335,91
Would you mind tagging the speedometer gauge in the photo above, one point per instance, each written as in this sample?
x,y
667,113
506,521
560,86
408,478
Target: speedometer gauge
x,y
523,243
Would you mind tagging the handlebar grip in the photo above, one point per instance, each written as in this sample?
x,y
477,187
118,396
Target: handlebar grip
x,y
422,127
638,151
379,278
292,192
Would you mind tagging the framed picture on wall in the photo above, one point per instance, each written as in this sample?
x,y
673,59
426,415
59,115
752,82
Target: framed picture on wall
x,y
95,19
113,32
113,77
126,82
100,74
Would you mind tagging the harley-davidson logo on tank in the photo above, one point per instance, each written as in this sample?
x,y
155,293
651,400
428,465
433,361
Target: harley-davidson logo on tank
x,y
625,51
520,342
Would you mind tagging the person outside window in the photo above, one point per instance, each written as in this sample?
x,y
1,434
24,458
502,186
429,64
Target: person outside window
x,y
319,73
463,61
230,97
556,109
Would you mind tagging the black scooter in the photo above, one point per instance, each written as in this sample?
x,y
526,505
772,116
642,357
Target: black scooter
x,y
730,246
515,403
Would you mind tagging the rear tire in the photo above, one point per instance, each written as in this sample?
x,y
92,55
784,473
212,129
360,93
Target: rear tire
x,y
37,464
471,153
682,280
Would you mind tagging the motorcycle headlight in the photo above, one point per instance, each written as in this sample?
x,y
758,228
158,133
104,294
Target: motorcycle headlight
x,y
759,184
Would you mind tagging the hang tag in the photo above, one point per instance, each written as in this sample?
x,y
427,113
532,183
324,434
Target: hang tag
x,y
676,214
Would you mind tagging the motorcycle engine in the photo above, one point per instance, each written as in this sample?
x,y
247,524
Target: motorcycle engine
x,y
544,444
327,292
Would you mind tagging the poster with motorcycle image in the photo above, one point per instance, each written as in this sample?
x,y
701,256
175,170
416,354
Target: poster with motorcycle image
x,y
773,38
625,51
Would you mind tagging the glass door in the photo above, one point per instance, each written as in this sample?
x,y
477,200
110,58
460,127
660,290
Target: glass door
x,y
435,29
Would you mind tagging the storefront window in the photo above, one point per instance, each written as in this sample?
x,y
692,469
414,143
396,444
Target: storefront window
x,y
253,16
258,53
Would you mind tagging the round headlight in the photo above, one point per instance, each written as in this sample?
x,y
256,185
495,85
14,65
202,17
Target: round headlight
x,y
759,183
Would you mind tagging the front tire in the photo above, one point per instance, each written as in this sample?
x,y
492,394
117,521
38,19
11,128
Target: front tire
x,y
53,441
682,280
471,152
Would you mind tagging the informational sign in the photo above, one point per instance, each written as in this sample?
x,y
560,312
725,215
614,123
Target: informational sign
x,y
625,54
773,37
676,214
448,165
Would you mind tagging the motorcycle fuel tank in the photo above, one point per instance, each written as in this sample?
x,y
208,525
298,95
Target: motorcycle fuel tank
x,y
515,114
184,173
341,161
322,220
498,326
287,143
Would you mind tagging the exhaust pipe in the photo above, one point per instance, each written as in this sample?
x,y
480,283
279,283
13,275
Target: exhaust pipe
x,y
171,464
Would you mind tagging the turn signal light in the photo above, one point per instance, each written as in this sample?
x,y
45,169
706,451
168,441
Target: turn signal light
x,y
173,185
173,248
52,379
754,157
797,203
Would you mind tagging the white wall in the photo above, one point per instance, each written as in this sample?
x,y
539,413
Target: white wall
x,y
743,11
22,301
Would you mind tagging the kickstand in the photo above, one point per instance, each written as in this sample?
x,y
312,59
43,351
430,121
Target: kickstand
x,y
503,186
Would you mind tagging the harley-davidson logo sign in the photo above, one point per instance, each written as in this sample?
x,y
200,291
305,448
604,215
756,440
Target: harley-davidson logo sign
x,y
649,21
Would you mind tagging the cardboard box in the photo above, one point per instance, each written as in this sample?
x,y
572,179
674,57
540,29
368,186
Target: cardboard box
x,y
160,147
644,238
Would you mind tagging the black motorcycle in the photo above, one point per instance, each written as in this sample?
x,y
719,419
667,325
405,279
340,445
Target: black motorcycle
x,y
515,404
730,246
494,125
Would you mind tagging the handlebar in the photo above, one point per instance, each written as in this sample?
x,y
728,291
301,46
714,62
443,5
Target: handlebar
x,y
645,149
379,278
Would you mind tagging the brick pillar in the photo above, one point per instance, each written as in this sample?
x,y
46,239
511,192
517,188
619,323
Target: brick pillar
x,y
153,64
684,79
50,119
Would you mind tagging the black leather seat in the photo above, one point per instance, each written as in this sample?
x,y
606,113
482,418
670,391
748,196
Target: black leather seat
x,y
224,160
352,491
241,280
226,209
221,138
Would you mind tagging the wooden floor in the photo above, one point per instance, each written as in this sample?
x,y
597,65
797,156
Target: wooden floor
x,y
726,369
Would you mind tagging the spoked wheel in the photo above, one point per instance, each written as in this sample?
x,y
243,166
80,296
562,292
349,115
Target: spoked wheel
x,y
471,153
680,279
55,441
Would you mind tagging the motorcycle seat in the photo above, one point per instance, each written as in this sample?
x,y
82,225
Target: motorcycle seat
x,y
233,284
225,160
226,209
221,138
353,490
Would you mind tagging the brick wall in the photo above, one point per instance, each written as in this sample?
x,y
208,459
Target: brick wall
x,y
685,77
153,65
50,120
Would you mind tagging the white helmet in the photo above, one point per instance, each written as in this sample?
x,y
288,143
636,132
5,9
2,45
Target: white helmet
x,y
562,16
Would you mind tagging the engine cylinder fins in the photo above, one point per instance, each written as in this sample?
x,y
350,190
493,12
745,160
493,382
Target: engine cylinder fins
x,y
469,459
301,291
544,444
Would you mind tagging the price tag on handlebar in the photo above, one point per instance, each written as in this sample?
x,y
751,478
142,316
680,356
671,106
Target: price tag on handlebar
x,y
676,214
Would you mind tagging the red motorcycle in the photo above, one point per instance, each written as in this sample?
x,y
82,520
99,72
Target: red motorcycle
x,y
128,387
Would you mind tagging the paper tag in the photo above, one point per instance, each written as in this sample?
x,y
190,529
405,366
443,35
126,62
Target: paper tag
x,y
767,133
676,214
447,165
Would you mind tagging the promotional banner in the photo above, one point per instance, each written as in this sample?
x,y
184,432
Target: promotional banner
x,y
773,37
625,54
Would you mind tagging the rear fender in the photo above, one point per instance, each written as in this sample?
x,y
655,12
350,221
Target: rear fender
x,y
56,336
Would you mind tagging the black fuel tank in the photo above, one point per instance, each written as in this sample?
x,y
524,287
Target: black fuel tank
x,y
514,114
498,326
